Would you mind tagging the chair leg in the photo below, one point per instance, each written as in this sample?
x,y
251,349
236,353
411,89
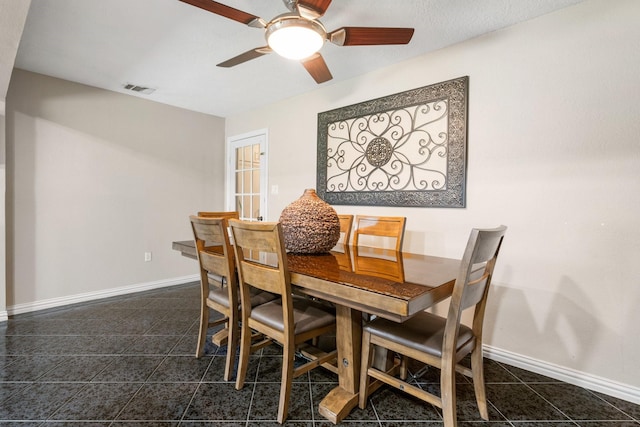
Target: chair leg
x,y
204,326
477,367
232,345
288,358
365,364
243,360
404,367
448,392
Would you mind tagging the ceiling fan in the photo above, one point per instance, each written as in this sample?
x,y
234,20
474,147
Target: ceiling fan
x,y
299,35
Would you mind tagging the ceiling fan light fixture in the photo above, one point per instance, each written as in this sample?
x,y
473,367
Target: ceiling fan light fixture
x,y
294,37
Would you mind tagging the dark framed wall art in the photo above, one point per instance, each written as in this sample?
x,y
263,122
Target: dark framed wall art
x,y
406,149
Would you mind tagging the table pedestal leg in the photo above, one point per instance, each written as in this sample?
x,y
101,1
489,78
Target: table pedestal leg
x,y
341,400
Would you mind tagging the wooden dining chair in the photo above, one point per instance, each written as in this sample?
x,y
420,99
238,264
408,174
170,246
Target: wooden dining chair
x,y
216,259
213,278
291,320
217,262
379,226
439,341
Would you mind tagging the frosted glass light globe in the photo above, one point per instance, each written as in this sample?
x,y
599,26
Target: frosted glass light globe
x,y
295,38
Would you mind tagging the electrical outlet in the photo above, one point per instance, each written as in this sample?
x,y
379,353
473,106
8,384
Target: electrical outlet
x,y
147,256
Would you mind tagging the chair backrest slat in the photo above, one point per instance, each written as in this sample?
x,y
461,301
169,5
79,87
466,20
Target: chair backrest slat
x,y
208,233
258,238
225,214
213,263
262,277
381,226
474,292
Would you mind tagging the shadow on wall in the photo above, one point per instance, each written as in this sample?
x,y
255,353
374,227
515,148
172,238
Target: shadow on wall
x,y
28,215
562,325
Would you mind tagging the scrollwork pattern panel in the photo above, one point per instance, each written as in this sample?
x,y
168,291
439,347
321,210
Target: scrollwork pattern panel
x,y
407,149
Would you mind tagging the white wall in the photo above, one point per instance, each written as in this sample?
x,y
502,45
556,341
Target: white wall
x,y
94,180
553,152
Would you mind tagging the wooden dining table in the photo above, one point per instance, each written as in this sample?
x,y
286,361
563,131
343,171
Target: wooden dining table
x,y
385,283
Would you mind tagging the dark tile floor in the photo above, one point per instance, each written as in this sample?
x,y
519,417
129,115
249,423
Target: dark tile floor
x,y
128,361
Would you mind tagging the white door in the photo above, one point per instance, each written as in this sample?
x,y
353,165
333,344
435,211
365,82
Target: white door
x,y
247,176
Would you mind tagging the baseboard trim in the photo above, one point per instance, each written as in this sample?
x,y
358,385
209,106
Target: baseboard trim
x,y
90,296
568,375
4,316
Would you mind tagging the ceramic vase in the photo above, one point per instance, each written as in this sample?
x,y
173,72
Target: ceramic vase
x,y
310,225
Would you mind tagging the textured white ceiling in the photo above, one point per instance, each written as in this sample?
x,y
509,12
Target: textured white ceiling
x,y
12,18
174,47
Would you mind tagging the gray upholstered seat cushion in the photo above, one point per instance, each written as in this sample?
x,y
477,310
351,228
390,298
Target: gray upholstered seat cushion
x,y
423,332
219,295
307,314
258,297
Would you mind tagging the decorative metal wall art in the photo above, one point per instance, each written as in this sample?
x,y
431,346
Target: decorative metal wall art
x,y
406,149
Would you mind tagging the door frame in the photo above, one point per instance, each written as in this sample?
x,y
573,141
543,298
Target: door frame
x,y
230,169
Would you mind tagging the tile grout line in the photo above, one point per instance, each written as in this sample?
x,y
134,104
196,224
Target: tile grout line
x,y
521,381
135,394
255,383
576,422
637,420
195,392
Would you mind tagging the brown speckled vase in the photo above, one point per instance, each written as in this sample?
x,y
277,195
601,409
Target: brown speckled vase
x,y
310,225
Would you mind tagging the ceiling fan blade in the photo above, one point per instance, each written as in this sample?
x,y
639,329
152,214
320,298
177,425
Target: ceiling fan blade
x,y
228,12
318,69
244,57
361,36
313,9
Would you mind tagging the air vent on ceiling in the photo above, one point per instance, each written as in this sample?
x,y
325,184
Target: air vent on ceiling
x,y
139,89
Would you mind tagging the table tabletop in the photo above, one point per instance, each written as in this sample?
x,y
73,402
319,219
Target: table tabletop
x,y
390,284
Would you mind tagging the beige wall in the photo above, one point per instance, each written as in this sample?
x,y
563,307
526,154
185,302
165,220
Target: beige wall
x,y
3,252
13,14
95,179
553,152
